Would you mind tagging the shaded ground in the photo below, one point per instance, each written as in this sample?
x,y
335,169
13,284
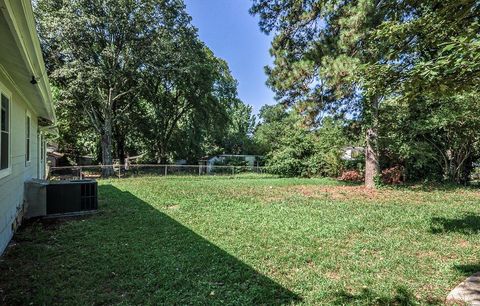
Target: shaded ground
x,y
249,241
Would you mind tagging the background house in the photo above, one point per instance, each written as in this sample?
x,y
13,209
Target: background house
x,y
53,156
352,153
26,111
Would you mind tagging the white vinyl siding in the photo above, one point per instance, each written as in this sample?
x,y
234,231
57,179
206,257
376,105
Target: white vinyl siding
x,y
20,58
12,179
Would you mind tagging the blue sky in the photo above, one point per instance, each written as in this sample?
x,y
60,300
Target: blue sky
x,y
233,35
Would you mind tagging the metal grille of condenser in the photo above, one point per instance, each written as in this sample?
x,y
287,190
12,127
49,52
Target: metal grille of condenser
x,y
71,196
88,196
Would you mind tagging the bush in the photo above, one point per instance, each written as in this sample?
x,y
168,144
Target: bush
x,y
475,173
286,163
393,175
351,176
307,153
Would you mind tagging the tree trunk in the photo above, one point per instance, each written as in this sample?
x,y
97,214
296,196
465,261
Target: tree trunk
x,y
449,172
372,167
107,160
458,166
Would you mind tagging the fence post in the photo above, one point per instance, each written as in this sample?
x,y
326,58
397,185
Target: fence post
x,y
233,170
165,170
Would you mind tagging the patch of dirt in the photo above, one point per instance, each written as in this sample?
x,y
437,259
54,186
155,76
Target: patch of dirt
x,y
463,243
173,206
329,192
426,254
359,193
333,275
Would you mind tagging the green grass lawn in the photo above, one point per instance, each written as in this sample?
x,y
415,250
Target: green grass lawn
x,y
246,241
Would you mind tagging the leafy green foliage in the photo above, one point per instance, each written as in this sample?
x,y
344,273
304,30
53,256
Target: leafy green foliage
x,y
374,59
274,121
94,52
135,79
180,86
77,138
295,149
237,137
437,137
293,153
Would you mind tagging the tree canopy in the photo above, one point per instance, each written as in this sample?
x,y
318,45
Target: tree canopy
x,y
368,58
133,75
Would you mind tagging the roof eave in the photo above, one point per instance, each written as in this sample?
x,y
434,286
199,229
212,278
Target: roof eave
x,y
29,46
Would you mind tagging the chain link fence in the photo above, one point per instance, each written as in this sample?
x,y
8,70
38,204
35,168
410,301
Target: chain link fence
x,y
139,170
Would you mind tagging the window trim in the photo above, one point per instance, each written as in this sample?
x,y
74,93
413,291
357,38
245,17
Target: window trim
x,y
8,94
28,140
40,145
43,156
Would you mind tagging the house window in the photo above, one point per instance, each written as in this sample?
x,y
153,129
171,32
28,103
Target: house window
x,y
27,139
4,133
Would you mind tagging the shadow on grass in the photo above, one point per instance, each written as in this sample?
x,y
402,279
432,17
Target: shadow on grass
x,y
402,296
132,254
468,269
468,225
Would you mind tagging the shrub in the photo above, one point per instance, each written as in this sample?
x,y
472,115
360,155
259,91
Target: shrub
x,y
303,152
393,175
286,162
351,176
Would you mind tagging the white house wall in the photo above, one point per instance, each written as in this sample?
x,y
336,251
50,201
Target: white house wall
x,y
12,185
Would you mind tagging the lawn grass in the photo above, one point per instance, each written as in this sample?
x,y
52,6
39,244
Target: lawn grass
x,y
249,240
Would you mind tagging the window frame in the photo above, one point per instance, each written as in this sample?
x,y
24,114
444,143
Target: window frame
x,y
42,147
28,139
8,94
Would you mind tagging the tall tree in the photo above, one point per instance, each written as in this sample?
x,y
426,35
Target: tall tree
x,y
274,119
434,47
321,49
182,79
94,52
236,138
